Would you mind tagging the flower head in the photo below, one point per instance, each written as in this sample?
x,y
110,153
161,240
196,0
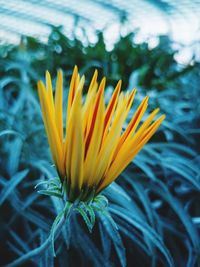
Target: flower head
x,y
95,148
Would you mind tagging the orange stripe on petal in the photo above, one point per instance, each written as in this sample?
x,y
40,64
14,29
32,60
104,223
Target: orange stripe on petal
x,y
75,146
132,125
71,94
135,120
127,156
131,97
111,106
93,82
130,101
96,106
151,127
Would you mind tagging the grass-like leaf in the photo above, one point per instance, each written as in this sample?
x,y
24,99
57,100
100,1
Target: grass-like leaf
x,y
11,185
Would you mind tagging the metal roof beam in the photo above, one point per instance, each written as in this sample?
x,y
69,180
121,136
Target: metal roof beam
x,y
59,8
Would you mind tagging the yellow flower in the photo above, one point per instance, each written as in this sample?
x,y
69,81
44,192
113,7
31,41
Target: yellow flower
x,y
94,149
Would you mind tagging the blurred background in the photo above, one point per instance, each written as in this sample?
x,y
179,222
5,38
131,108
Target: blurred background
x,y
153,45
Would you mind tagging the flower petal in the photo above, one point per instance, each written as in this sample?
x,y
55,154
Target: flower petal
x,y
132,125
94,138
111,107
126,158
109,145
58,105
72,90
52,133
75,146
50,92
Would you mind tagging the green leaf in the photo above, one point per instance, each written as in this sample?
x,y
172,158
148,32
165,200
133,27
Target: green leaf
x,y
91,213
146,230
86,218
11,185
112,231
12,132
182,214
50,193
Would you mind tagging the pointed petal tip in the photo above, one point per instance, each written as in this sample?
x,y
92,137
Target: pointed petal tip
x,y
59,71
156,110
104,80
120,82
40,84
96,72
102,83
47,73
82,78
132,92
75,69
145,101
118,86
163,117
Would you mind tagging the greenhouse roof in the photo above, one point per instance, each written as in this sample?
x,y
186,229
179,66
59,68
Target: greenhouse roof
x,y
34,18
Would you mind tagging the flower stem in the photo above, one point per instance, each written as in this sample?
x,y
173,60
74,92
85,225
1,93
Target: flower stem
x,y
40,250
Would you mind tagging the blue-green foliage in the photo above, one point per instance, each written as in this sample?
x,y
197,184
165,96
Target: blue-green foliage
x,y
153,213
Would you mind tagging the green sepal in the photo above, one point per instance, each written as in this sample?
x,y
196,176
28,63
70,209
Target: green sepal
x,y
63,213
50,193
53,188
86,218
